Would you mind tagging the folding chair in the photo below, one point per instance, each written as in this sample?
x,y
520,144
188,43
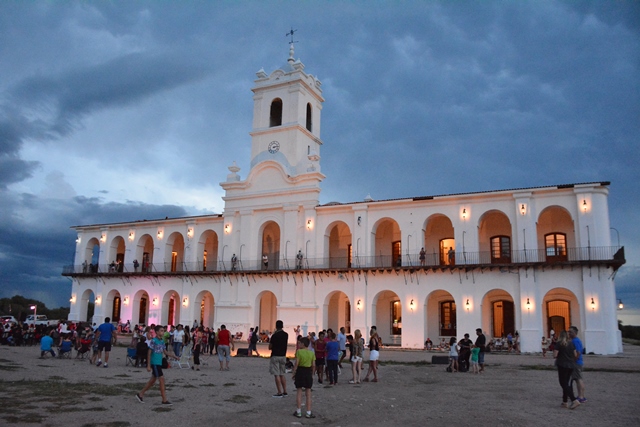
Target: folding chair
x,y
184,359
65,350
84,349
131,357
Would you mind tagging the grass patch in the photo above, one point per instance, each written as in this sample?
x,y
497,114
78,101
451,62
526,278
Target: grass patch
x,y
239,398
630,341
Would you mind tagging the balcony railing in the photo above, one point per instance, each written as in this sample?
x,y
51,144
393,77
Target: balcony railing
x,y
612,255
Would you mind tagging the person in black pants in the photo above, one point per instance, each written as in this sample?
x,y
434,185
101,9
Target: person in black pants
x,y
465,353
566,354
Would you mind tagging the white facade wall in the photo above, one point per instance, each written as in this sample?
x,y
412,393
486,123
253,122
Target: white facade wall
x,y
283,188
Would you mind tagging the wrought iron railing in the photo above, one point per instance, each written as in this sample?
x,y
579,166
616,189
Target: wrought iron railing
x,y
612,254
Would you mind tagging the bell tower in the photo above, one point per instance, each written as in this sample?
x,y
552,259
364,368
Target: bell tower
x,y
285,142
286,118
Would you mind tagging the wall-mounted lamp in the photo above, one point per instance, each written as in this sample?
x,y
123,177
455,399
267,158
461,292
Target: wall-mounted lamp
x,y
103,238
160,234
412,305
98,300
308,224
523,209
155,301
359,220
78,239
620,304
528,304
584,205
185,301
190,232
227,228
464,214
72,300
593,304
359,305
131,235
125,301
468,304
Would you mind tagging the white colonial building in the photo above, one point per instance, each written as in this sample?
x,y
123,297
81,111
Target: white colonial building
x,y
524,260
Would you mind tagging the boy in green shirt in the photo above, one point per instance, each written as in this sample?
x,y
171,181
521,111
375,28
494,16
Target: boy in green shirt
x,y
303,375
157,349
474,358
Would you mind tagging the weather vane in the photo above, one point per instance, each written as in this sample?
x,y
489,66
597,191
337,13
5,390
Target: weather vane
x,y
290,33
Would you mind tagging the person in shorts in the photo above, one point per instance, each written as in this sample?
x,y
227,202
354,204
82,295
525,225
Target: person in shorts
x,y
224,343
576,375
157,350
105,335
278,361
303,376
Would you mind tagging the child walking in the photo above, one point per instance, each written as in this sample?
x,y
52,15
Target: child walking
x,y
303,376
157,349
475,351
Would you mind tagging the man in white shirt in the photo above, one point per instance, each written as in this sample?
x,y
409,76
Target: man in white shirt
x,y
342,341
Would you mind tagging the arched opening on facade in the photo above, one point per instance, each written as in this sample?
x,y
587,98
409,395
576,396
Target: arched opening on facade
x,y
204,308
387,317
174,253
494,238
560,309
338,244
116,253
144,253
267,314
439,243
337,311
140,308
92,255
388,247
441,318
208,251
498,313
270,246
113,302
275,114
87,305
555,234
170,308
309,121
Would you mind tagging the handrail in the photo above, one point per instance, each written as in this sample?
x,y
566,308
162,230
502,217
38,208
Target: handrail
x,y
614,254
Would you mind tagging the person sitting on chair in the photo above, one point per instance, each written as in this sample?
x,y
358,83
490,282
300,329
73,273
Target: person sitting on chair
x,y
65,346
141,352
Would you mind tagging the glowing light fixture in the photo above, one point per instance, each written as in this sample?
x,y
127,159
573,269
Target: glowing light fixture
x,y
185,301
411,305
190,232
103,237
359,304
132,234
593,304
227,228
620,304
468,304
464,214
523,209
155,301
126,300
359,220
528,304
584,205
160,234
308,224
98,300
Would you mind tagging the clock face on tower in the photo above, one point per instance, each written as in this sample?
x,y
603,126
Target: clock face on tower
x,y
273,147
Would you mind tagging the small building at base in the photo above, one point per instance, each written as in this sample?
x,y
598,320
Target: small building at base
x,y
523,261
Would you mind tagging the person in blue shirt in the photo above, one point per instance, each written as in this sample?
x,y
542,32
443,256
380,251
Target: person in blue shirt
x,y
333,355
46,345
577,372
105,338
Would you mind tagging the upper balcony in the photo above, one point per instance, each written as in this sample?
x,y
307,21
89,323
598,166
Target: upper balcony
x,y
611,256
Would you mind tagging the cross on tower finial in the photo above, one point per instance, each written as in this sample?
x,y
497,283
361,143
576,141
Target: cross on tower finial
x,y
290,33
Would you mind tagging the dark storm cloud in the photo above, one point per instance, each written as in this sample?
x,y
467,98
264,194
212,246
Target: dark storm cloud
x,y
37,240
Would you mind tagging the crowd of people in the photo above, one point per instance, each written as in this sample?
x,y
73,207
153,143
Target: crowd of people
x,y
317,358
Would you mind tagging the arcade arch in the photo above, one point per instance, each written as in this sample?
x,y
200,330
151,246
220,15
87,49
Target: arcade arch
x,y
555,233
144,252
87,305
174,253
441,318
208,251
439,241
494,238
170,314
387,317
113,304
498,313
270,245
116,253
267,314
338,245
140,308
560,309
205,306
388,247
337,311
92,255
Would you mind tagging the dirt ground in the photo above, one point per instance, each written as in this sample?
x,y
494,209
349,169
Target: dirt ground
x,y
516,390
